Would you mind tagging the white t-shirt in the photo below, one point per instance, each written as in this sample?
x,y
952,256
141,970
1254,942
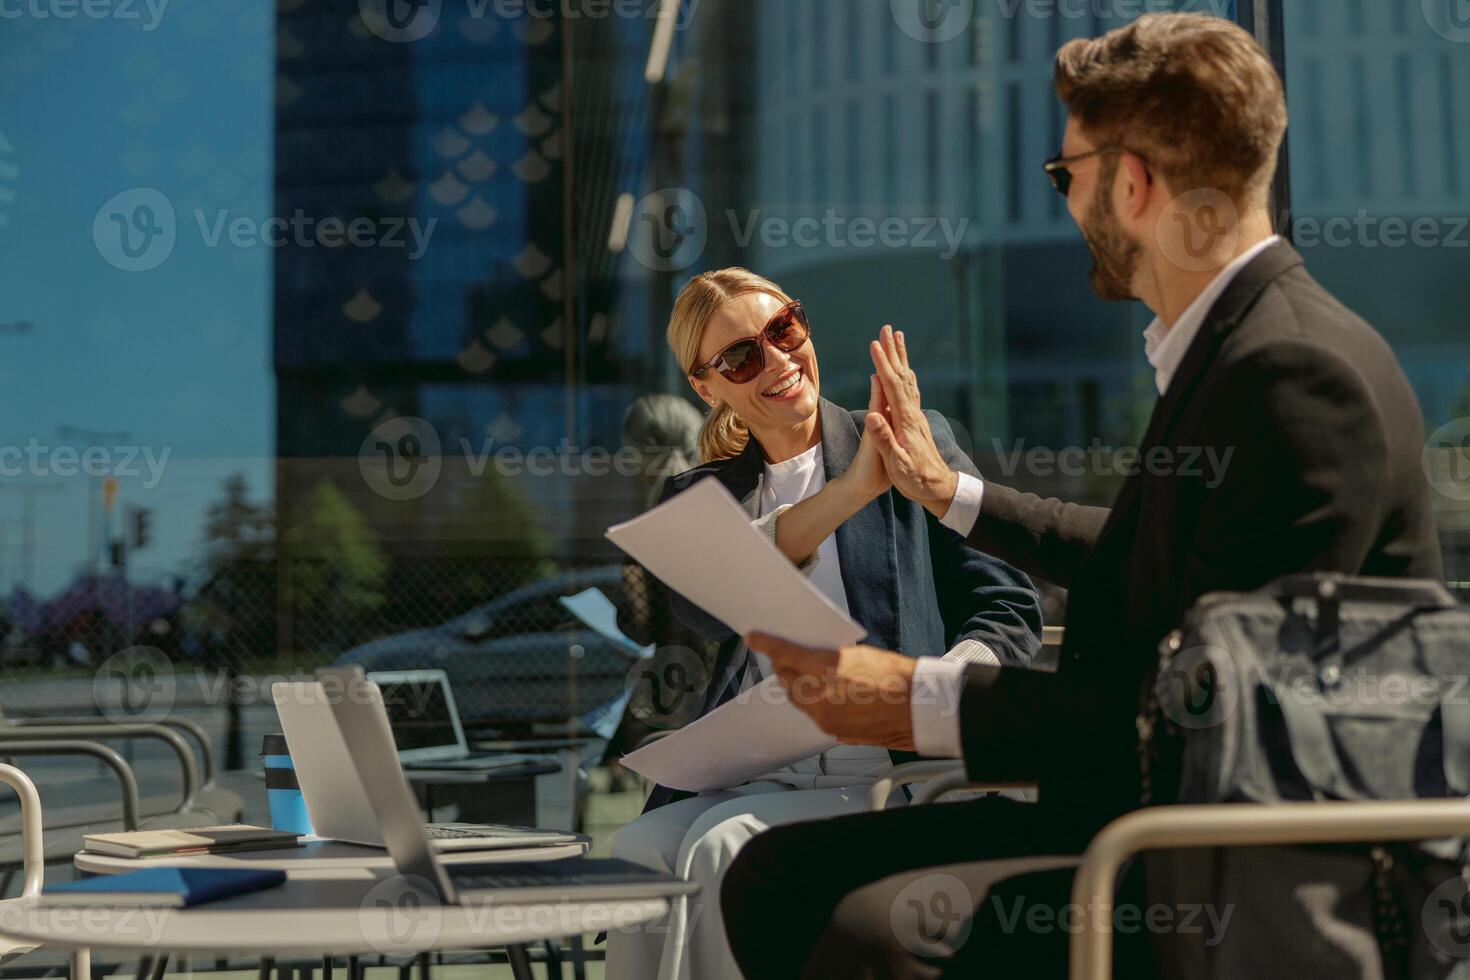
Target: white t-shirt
x,y
790,482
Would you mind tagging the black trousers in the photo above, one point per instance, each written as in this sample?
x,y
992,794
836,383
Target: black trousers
x,y
974,889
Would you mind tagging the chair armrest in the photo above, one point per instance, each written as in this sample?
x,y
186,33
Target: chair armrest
x,y
33,854
908,774
952,782
1233,825
934,777
1052,636
108,731
107,756
206,750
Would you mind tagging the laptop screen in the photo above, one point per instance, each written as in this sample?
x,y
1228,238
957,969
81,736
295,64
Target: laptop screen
x,y
419,713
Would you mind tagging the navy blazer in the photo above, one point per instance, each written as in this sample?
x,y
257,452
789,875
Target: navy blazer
x,y
912,583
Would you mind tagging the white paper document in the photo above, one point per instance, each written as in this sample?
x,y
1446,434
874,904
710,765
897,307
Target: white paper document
x,y
701,544
593,607
752,735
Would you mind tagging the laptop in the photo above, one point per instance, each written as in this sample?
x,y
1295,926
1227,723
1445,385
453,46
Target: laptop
x,y
364,728
335,798
426,725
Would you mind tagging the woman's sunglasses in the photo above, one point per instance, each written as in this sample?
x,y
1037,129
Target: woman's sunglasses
x,y
1057,167
744,360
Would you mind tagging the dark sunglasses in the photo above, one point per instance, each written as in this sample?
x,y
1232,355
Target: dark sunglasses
x,y
745,359
1061,177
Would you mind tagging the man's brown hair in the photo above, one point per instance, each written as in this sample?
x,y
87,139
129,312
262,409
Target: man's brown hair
x,y
1194,95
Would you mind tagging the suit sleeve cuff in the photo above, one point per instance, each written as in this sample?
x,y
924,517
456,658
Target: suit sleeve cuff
x,y
964,509
970,651
935,706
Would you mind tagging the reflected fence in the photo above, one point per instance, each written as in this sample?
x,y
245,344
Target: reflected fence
x,y
521,664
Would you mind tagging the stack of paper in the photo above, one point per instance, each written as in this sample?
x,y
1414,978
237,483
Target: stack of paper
x,y
701,544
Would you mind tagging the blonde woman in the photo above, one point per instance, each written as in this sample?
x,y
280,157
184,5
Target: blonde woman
x,y
810,480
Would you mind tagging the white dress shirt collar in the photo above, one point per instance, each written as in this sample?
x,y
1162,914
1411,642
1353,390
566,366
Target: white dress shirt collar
x,y
1164,346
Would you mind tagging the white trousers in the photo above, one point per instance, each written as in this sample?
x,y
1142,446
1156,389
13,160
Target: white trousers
x,y
696,839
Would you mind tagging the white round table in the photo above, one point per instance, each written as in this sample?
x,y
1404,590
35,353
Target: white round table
x,y
321,859
339,899
315,917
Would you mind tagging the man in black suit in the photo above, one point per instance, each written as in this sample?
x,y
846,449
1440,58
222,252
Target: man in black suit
x,y
1174,125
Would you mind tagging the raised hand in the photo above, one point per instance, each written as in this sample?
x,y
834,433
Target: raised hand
x,y
867,471
902,432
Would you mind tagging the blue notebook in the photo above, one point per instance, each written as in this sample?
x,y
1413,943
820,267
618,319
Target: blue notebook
x,y
171,887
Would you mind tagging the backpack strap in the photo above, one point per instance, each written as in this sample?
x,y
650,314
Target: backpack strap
x,y
1454,718
1312,747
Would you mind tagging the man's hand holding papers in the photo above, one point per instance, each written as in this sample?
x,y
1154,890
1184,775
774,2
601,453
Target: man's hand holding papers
x,y
857,694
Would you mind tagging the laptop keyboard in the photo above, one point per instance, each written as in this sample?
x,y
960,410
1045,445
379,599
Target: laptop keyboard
x,y
516,874
496,831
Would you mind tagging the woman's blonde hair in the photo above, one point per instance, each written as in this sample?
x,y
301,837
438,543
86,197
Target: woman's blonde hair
x,y
724,433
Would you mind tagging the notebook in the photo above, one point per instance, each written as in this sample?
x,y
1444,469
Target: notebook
x,y
169,887
193,840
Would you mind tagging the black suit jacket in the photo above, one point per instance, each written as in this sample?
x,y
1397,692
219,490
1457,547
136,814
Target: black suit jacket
x,y
912,583
1325,474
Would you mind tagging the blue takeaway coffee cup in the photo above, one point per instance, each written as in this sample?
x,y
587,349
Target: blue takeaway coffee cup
x,y
283,792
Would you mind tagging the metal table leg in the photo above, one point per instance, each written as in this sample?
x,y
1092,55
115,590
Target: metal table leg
x,y
520,962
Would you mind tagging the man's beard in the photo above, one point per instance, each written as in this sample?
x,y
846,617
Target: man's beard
x,y
1114,255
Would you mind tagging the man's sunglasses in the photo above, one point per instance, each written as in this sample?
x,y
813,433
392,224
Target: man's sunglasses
x,y
1057,167
745,359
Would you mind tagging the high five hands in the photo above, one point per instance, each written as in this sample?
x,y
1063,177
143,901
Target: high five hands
x,y
861,694
902,432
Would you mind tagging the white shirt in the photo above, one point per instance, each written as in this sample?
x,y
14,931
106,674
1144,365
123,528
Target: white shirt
x,y
790,482
1165,346
934,697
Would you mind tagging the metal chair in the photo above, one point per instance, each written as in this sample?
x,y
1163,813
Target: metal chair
x,y
200,791
197,805
1234,825
1160,827
33,863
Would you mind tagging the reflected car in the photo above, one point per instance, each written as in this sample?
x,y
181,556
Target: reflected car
x,y
521,658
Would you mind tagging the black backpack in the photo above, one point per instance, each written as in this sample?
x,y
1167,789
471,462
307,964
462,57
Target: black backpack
x,y
1317,687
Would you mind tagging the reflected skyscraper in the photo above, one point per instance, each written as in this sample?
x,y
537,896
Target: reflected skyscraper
x,y
451,148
